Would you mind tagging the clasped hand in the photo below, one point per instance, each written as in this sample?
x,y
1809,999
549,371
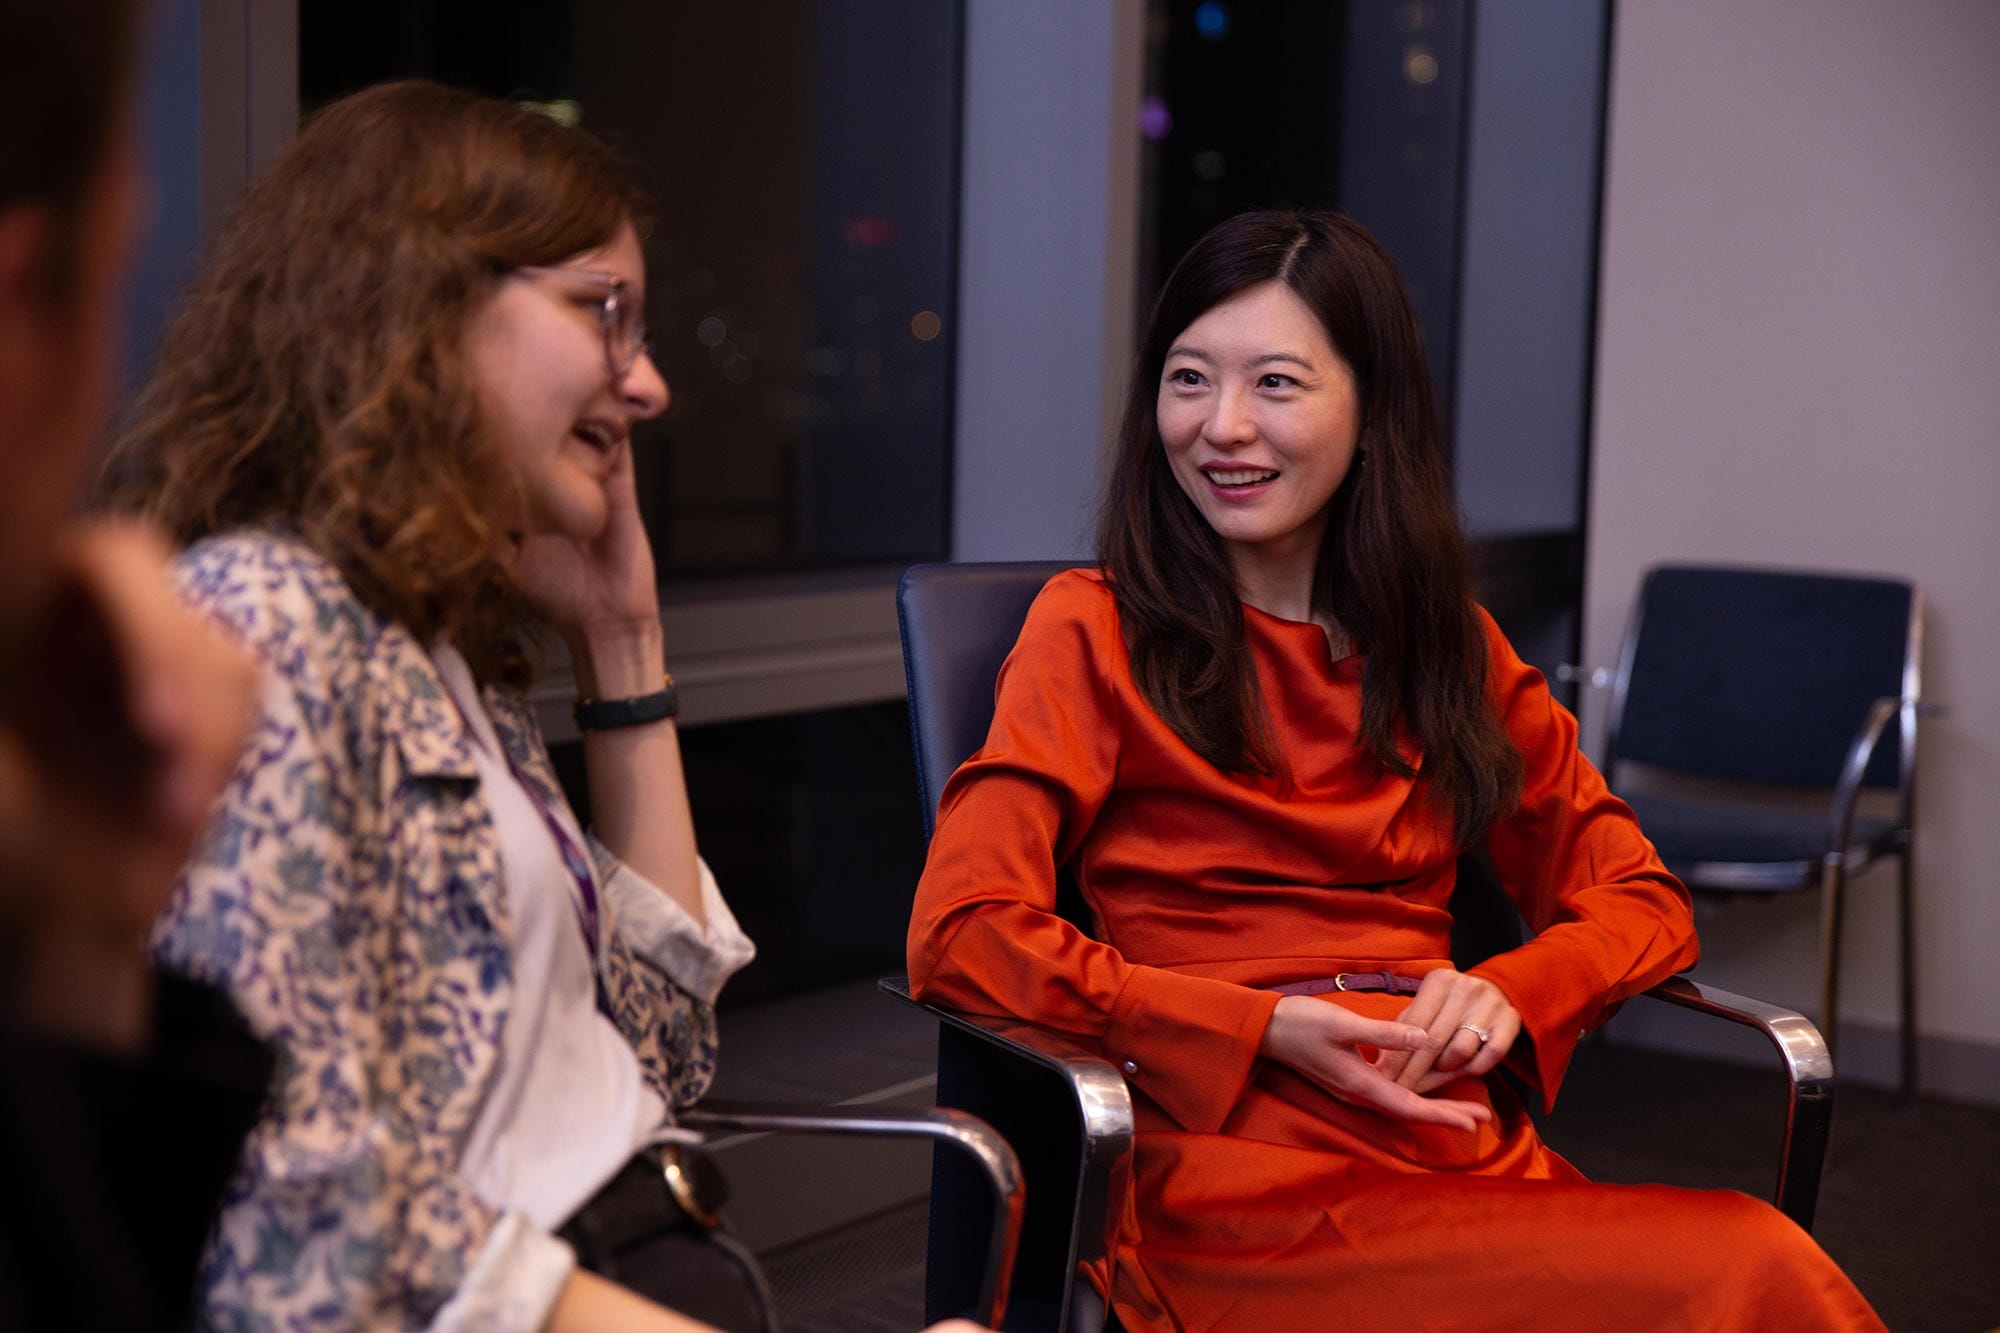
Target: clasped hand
x,y
1433,1042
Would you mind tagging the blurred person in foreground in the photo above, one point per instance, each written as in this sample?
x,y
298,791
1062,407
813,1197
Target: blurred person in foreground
x,y
123,1096
394,423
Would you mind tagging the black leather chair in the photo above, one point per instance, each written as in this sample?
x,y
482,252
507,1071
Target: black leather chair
x,y
1781,684
1066,1110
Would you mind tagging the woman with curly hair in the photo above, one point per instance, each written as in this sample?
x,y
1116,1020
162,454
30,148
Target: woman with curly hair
x,y
1260,737
393,425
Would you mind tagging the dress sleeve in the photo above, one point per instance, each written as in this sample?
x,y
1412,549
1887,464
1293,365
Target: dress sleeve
x,y
343,1213
984,936
1609,919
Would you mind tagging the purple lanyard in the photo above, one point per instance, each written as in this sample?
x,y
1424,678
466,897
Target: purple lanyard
x,y
579,869
585,897
573,860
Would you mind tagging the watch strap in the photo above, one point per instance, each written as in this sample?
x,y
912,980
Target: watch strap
x,y
637,711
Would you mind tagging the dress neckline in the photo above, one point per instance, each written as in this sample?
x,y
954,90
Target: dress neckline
x,y
1298,629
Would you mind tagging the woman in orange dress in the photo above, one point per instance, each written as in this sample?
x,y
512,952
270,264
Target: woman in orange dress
x,y
1260,737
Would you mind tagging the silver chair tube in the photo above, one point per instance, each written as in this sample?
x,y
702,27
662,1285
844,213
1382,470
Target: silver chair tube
x,y
1847,791
1808,1068
1104,1105
968,1133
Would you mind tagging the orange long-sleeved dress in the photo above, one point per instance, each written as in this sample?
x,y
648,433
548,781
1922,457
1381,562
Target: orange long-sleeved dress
x,y
1258,1201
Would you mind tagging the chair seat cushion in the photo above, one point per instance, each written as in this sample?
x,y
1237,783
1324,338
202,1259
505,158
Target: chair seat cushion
x,y
1719,844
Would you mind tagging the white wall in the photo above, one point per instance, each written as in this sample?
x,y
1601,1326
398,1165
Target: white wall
x,y
1800,315
1046,268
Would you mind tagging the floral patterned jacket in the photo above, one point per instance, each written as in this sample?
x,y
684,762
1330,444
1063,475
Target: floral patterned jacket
x,y
348,895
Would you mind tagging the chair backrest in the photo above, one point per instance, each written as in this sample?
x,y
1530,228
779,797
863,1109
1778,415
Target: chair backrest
x,y
1763,675
959,622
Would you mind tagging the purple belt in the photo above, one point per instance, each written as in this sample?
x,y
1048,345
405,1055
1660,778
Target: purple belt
x,y
1391,982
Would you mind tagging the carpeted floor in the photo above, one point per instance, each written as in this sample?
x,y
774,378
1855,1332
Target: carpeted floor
x,y
868,1278
1910,1204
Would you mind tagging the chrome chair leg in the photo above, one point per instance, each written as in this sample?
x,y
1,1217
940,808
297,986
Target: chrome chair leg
x,y
1833,883
1907,931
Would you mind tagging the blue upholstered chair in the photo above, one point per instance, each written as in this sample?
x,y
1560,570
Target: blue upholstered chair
x,y
1066,1110
1800,692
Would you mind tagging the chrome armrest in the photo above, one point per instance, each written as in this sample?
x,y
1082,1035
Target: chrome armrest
x,y
1840,817
977,1139
1915,710
1101,1095
1808,1068
1104,1108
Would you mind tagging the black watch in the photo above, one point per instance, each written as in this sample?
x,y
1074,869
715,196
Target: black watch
x,y
637,711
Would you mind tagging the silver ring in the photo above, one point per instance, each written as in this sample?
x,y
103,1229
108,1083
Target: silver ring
x,y
1484,1034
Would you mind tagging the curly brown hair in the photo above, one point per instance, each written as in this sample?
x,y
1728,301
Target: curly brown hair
x,y
314,380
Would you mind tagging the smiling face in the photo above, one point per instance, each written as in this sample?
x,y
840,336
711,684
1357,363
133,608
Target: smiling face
x,y
1259,416
537,356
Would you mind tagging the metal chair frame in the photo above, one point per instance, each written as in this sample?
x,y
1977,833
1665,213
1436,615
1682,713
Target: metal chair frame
x,y
1102,1161
1843,857
968,1134
1104,1106
1103,1101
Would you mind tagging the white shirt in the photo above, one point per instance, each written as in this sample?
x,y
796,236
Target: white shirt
x,y
569,1104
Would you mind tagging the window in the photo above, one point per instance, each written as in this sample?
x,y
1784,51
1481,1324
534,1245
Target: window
x,y
804,160
1468,138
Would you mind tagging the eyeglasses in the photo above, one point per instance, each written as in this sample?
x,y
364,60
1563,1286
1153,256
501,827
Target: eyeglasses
x,y
623,321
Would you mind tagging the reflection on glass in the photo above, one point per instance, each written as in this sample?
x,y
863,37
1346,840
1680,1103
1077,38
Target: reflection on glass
x,y
1311,104
804,158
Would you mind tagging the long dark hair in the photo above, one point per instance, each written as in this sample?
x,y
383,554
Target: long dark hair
x,y
1393,570
315,377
